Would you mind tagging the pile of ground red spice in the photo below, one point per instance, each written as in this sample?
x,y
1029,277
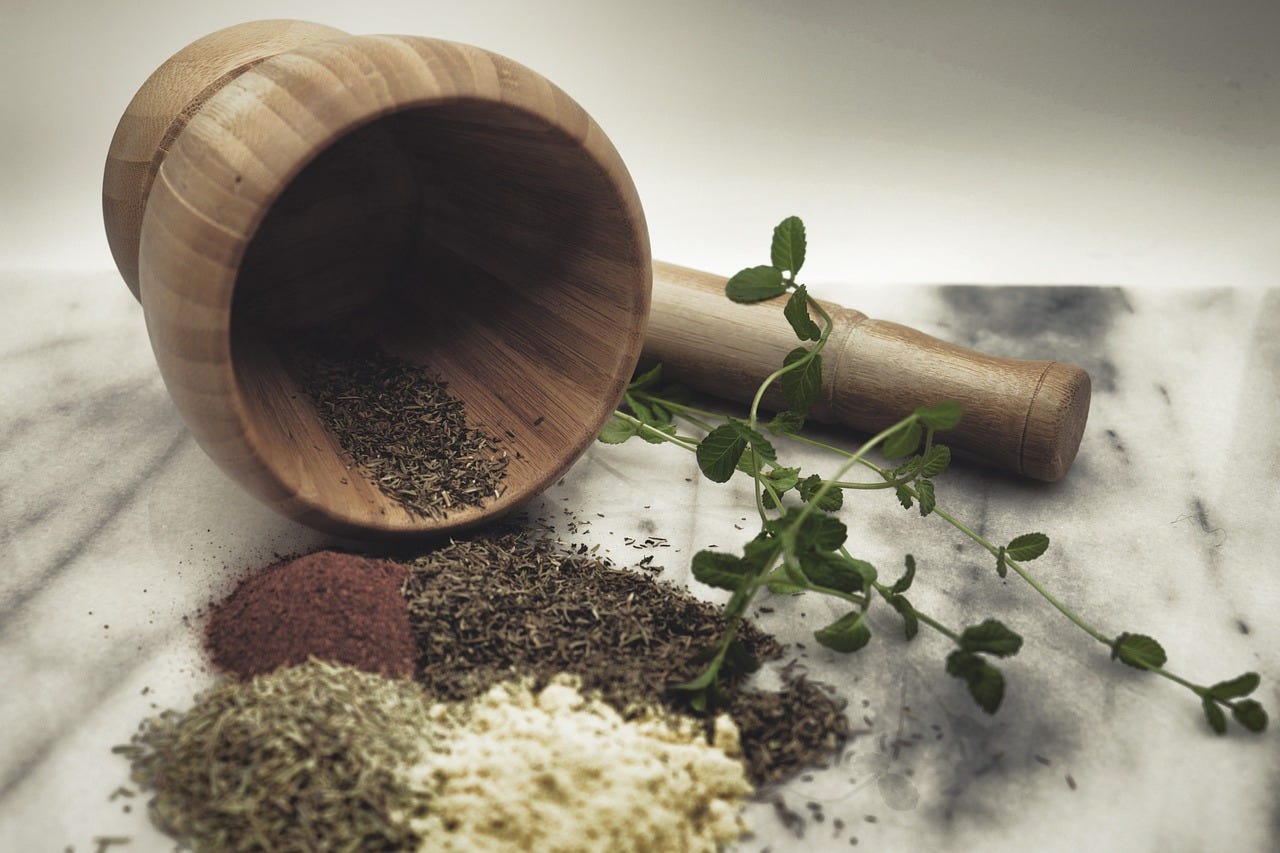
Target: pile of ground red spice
x,y
336,607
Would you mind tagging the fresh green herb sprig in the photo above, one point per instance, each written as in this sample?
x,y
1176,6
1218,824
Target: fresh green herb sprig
x,y
802,547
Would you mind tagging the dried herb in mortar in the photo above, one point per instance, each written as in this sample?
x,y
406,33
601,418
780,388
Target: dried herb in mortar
x,y
403,430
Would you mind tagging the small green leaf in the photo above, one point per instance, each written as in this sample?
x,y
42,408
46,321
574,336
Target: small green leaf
x,y
945,415
718,453
755,284
1236,687
903,441
903,583
801,387
829,502
701,681
617,431
910,623
847,634
1250,714
787,251
646,379
991,637
725,571
786,423
924,491
1138,651
782,479
961,663
904,496
986,684
935,461
1028,546
1213,714
1002,568
797,314
987,688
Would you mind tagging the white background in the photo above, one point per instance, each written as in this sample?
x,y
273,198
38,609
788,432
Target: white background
x,y
1089,142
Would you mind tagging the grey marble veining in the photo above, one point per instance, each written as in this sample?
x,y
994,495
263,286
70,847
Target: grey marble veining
x,y
116,531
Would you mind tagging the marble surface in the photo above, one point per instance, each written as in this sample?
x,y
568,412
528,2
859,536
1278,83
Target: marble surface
x,y
116,530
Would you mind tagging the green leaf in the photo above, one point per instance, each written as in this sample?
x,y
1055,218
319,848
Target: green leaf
x,y
701,681
991,637
986,684
646,379
755,284
1250,714
847,634
1213,714
761,445
797,314
831,571
904,496
1138,651
910,623
1028,546
802,386
935,461
617,431
822,533
649,436
786,423
1241,686
787,251
903,583
760,551
779,582
924,491
987,688
945,415
739,659
809,487
718,453
1002,568
725,571
782,479
903,441
640,410
661,414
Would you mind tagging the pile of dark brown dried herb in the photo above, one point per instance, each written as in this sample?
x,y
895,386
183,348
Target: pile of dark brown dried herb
x,y
403,429
511,604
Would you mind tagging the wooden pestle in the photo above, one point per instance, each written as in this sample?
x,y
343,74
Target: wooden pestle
x,y
1025,416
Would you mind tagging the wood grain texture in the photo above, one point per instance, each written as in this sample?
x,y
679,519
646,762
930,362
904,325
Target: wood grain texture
x,y
438,199
1025,416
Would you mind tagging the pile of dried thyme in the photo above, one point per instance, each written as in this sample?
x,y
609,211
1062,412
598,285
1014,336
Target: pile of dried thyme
x,y
403,429
306,758
512,604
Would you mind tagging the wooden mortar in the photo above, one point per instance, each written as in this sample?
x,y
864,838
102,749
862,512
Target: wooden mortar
x,y
278,179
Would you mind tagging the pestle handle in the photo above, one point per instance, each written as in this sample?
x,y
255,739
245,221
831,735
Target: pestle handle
x,y
1025,416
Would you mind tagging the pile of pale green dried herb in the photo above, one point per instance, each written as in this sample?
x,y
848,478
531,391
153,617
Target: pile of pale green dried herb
x,y
307,758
